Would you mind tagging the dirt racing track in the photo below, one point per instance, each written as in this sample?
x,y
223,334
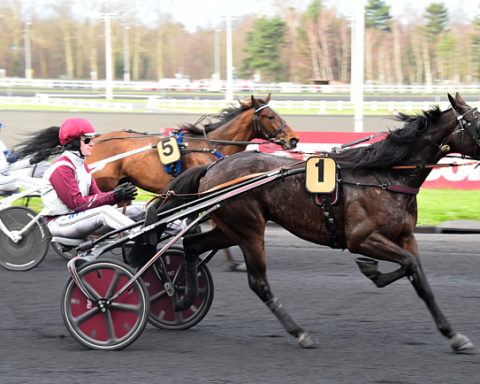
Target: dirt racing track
x,y
366,334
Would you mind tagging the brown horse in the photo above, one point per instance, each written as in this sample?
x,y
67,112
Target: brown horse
x,y
375,215
231,134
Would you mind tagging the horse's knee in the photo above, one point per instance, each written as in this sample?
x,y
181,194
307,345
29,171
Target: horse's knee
x,y
260,287
410,266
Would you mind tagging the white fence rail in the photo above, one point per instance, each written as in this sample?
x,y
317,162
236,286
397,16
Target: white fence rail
x,y
44,100
156,104
100,85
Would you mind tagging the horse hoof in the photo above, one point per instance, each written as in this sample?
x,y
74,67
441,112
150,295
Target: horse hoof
x,y
367,266
461,343
306,340
238,267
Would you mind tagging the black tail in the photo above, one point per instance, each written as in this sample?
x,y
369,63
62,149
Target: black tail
x,y
187,183
46,142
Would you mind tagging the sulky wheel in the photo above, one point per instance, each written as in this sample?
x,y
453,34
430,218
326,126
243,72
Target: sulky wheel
x,y
162,314
121,323
30,249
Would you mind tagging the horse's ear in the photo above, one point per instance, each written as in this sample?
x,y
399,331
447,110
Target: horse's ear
x,y
459,98
243,103
253,101
452,101
267,99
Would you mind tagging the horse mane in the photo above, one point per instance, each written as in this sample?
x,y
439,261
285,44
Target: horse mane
x,y
394,148
46,141
225,115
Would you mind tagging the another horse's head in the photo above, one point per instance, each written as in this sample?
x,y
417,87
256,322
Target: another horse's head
x,y
466,138
269,125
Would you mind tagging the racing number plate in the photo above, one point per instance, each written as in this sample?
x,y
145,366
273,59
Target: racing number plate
x,y
320,174
168,150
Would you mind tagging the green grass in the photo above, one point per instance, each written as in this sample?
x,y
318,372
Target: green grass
x,y
438,205
434,205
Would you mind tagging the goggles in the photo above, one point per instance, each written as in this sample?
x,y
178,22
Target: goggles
x,y
87,138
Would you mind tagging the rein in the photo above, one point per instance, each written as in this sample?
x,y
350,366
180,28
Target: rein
x,y
230,142
238,180
433,165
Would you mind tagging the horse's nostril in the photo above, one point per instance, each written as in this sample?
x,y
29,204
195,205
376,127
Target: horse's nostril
x,y
293,142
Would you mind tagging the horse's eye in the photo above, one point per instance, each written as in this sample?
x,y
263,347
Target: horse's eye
x,y
271,117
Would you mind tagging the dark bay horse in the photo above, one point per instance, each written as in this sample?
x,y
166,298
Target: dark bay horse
x,y
375,215
253,119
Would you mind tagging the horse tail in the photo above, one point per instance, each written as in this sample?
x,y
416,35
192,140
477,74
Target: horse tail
x,y
185,187
45,142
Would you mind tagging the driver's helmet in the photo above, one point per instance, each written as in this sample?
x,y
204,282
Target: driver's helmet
x,y
75,128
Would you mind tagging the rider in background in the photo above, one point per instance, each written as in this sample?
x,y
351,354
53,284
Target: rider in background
x,y
74,205
10,162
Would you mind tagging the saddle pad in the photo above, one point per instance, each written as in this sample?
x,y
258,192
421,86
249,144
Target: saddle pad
x,y
317,197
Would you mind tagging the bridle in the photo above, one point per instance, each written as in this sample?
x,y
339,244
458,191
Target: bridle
x,y
260,127
472,127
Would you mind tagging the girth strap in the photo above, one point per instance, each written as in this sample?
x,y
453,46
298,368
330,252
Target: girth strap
x,y
334,241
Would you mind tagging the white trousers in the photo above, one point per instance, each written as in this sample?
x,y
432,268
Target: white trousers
x,y
8,183
99,220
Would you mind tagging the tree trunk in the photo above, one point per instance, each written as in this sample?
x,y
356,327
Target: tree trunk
x,y
323,25
369,43
159,53
92,54
426,63
381,64
345,53
136,54
397,55
67,46
313,51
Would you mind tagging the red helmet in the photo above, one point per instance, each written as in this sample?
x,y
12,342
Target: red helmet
x,y
74,128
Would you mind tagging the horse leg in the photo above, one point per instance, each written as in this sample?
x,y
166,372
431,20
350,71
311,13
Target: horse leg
x,y
411,267
194,245
232,264
458,341
379,247
254,253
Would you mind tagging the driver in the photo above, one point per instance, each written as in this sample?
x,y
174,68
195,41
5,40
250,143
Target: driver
x,y
9,162
74,205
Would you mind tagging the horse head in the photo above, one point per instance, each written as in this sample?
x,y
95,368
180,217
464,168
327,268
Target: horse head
x,y
466,137
269,125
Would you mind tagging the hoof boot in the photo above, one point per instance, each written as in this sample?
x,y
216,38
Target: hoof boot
x,y
461,343
367,266
306,340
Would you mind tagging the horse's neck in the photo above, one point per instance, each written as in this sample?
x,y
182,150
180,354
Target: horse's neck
x,y
427,152
237,130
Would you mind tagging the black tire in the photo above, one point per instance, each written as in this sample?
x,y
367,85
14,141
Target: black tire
x,y
31,249
122,322
162,314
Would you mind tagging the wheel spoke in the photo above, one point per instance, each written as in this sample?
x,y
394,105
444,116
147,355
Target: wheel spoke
x,y
179,273
158,296
125,307
113,283
110,327
91,291
85,316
